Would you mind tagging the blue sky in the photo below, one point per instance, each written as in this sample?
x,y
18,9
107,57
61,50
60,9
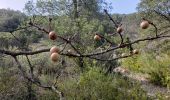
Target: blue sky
x,y
124,6
13,4
119,6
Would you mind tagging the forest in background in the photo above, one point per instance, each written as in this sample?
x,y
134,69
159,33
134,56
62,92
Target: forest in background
x,y
85,67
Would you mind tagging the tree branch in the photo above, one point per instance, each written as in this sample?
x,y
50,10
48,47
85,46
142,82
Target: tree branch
x,y
84,55
37,82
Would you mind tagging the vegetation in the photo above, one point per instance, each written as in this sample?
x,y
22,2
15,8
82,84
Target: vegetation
x,y
154,59
68,49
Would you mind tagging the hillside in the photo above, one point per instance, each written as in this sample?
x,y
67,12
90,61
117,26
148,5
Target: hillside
x,y
77,50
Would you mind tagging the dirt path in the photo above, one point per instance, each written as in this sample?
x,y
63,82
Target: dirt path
x,y
150,88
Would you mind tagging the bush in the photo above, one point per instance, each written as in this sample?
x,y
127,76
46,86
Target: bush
x,y
137,63
161,74
94,84
157,67
11,84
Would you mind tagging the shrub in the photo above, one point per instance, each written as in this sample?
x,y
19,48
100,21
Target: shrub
x,y
157,67
94,84
161,74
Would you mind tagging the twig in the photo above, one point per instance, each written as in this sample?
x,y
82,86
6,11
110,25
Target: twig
x,y
156,29
37,82
116,25
31,67
83,55
111,18
160,14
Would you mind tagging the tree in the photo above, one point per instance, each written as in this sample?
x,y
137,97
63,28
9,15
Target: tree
x,y
158,7
84,52
10,20
158,11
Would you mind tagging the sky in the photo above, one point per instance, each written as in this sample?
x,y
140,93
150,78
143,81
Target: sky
x,y
119,6
124,6
13,4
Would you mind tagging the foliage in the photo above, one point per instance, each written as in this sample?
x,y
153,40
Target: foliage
x,y
10,19
161,74
154,56
94,84
81,19
157,67
12,85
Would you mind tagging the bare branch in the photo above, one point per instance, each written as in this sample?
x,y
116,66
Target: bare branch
x,y
31,67
156,29
111,18
85,55
23,52
160,14
37,82
116,25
